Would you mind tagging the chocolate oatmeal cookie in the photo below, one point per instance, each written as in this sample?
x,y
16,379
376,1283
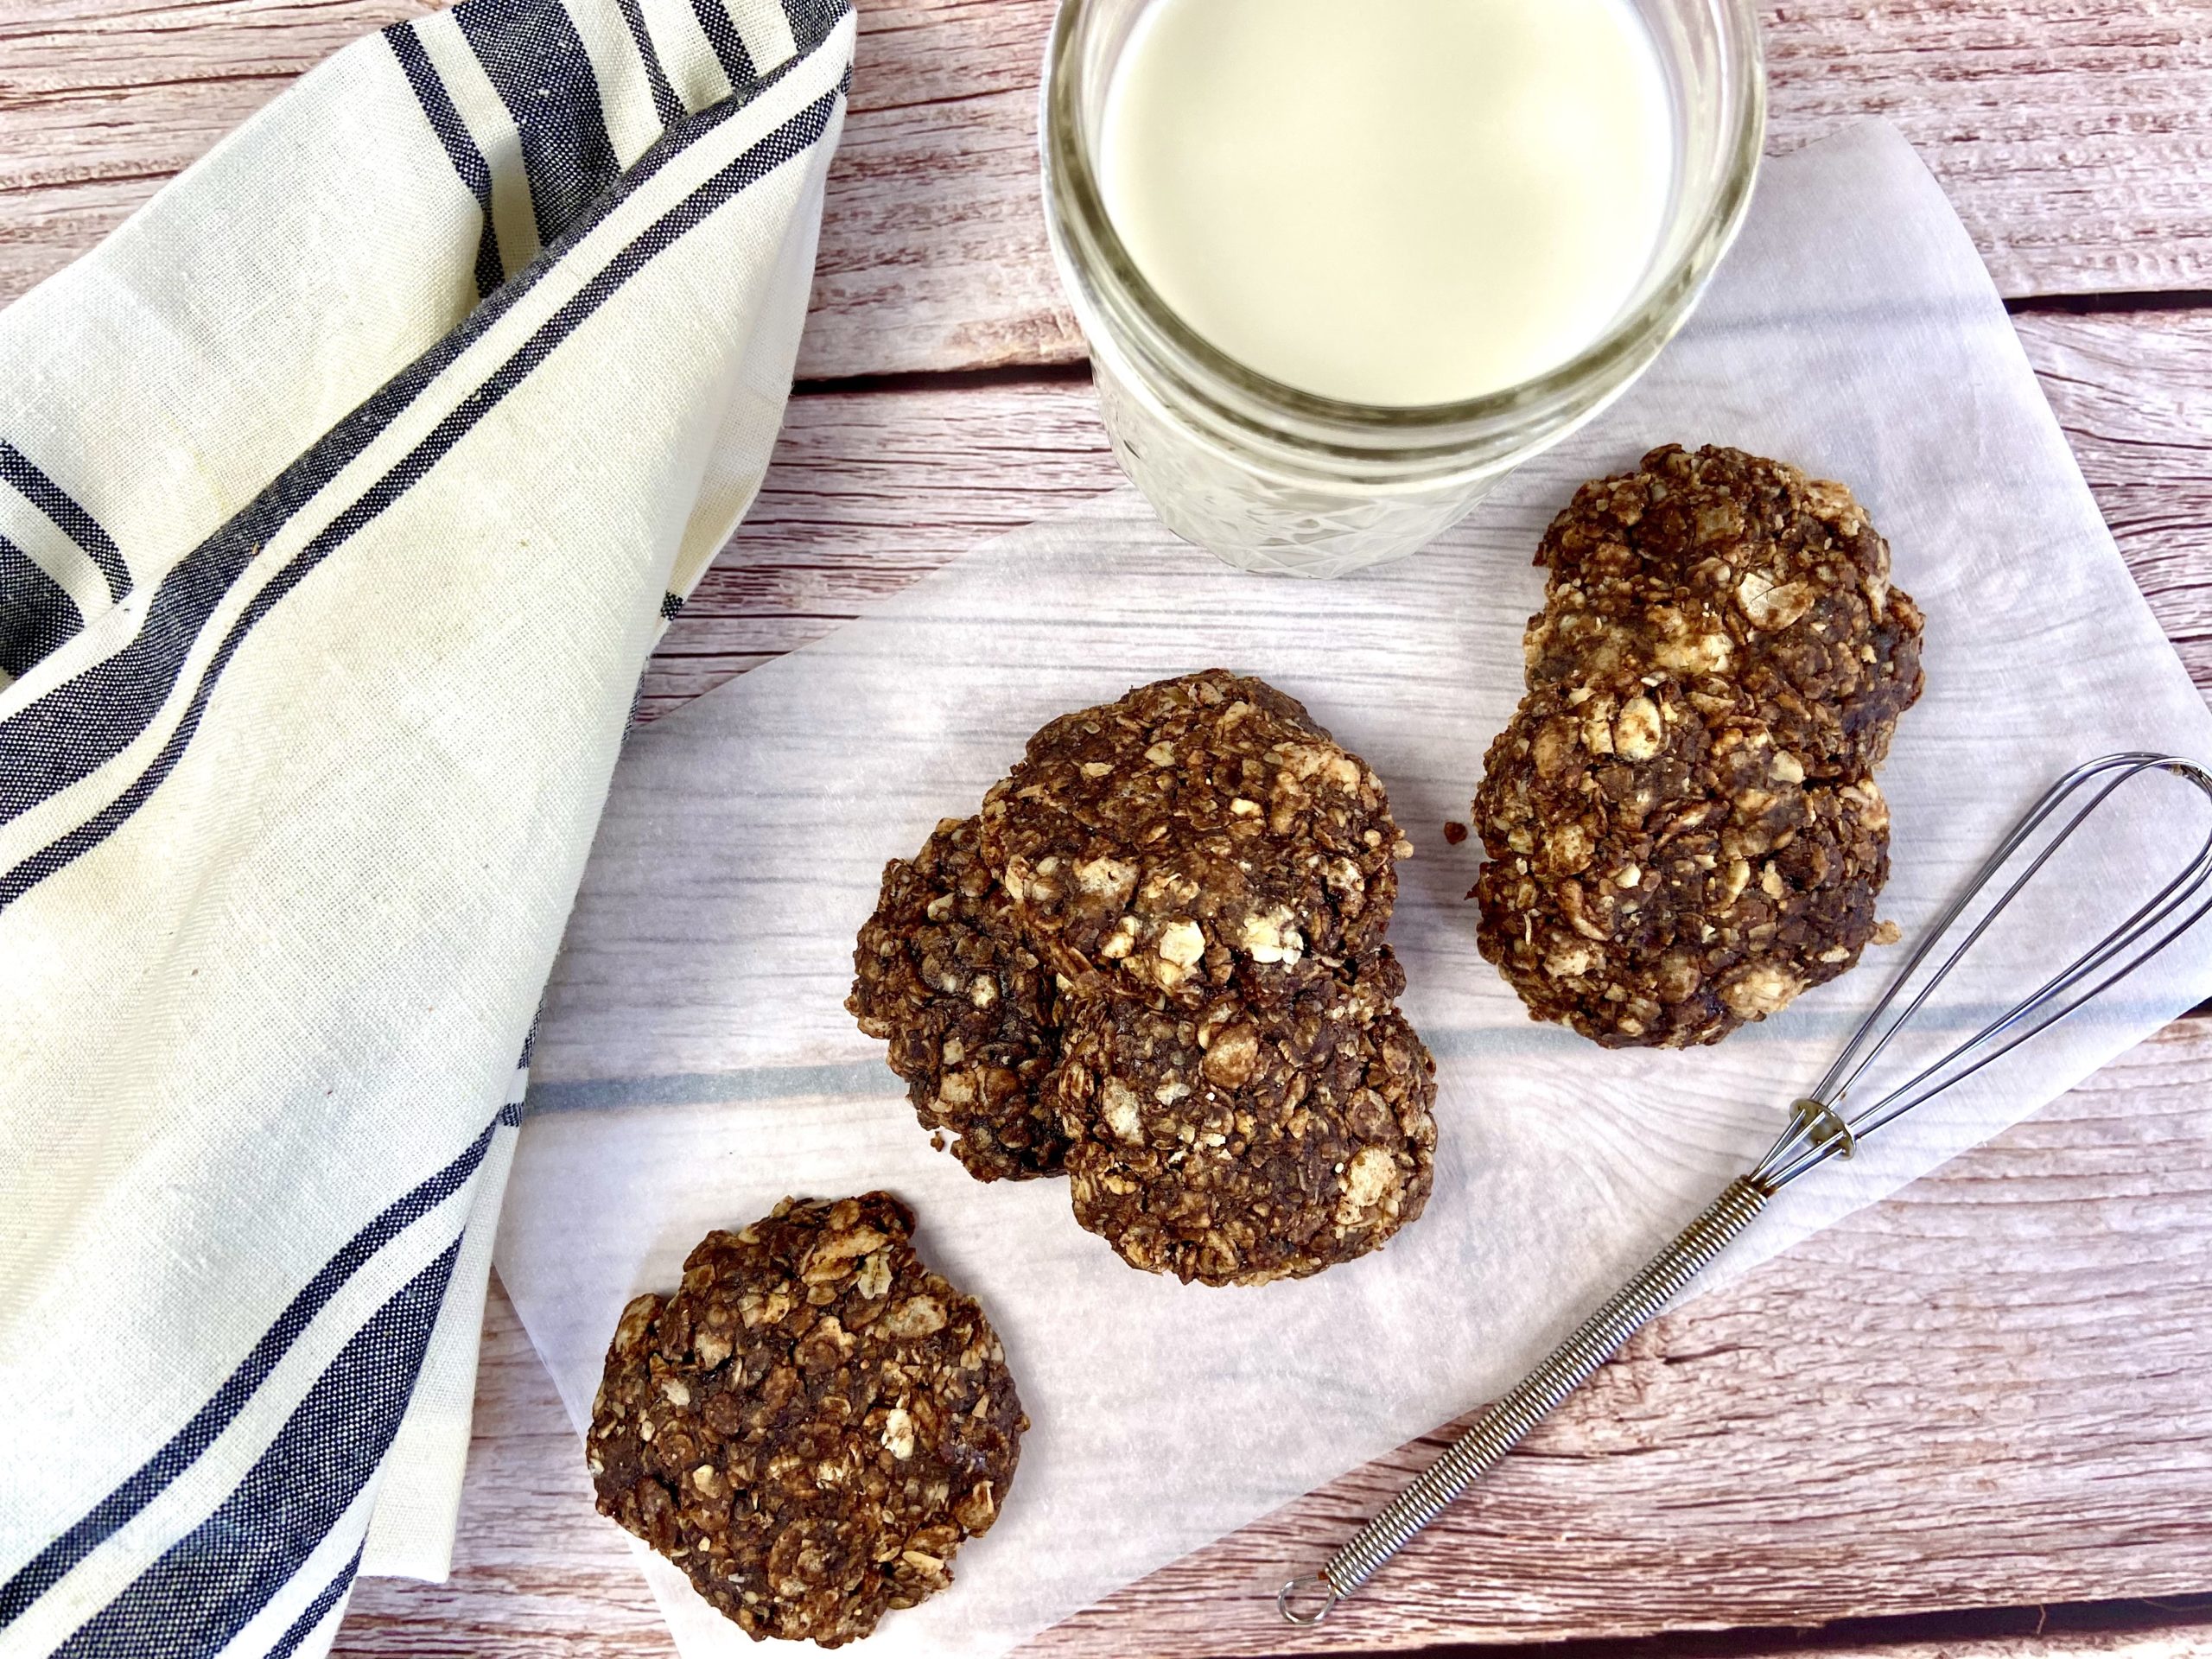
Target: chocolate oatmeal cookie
x,y
1661,867
1237,1140
811,1425
1719,565
942,972
1197,829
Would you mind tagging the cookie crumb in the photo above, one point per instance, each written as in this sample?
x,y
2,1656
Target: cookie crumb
x,y
1454,831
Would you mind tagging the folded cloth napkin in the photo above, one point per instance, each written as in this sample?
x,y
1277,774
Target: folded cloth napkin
x,y
343,492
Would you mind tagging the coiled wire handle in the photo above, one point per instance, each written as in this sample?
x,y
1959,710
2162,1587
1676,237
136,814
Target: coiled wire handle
x,y
1508,1422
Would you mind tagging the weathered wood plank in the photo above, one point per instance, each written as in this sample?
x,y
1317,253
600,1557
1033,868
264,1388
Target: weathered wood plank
x,y
2177,1644
2075,139
870,490
2133,389
1989,1390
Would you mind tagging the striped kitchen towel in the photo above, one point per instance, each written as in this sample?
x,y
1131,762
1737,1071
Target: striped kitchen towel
x,y
343,492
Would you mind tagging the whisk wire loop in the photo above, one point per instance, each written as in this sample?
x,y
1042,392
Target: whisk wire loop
x,y
2177,906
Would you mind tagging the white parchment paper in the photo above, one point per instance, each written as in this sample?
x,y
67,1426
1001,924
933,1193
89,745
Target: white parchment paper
x,y
696,1064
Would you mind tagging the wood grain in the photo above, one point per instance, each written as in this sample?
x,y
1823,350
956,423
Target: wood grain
x,y
869,490
1989,1390
2185,1643
2173,1637
2074,137
1957,1398
2133,389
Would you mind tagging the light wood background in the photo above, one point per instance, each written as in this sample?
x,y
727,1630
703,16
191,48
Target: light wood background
x,y
1975,1398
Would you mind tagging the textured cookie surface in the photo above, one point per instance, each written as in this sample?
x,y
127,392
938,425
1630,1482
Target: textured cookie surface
x,y
1718,565
1197,829
1660,870
811,1425
1238,1141
941,972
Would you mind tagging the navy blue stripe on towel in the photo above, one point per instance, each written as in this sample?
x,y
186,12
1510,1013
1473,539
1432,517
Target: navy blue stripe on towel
x,y
37,614
460,148
42,493
812,19
666,105
536,61
789,140
318,1610
729,47
201,1593
154,1477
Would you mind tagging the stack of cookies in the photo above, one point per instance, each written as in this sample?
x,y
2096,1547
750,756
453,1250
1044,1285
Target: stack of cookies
x,y
1682,821
1154,963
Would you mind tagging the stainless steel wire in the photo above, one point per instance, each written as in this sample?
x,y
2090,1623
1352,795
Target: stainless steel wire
x,y
1823,1124
2047,826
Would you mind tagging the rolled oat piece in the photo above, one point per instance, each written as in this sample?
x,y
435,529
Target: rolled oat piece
x,y
1197,829
941,972
1239,1141
1661,869
1723,566
811,1425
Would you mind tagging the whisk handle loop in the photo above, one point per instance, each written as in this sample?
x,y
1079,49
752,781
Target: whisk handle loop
x,y
1508,1421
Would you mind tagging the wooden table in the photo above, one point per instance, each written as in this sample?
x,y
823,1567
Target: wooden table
x,y
1975,1396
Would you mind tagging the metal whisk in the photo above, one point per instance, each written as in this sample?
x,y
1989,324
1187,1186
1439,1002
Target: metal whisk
x,y
1823,1124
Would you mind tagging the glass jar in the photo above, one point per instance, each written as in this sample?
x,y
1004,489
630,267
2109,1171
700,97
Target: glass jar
x,y
1271,478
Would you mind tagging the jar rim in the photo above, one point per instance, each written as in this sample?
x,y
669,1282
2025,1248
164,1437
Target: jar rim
x,y
1099,268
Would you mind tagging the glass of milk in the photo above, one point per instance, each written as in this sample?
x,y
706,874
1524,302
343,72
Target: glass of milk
x,y
1343,264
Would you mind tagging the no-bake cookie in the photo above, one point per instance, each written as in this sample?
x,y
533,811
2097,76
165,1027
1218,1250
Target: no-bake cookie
x,y
1195,830
1239,1141
811,1425
1660,870
1155,960
942,974
1682,822
1722,566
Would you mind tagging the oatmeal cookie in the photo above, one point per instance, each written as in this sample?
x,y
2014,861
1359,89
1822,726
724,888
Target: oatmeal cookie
x,y
811,1425
1662,868
1197,829
1725,566
941,972
1237,1140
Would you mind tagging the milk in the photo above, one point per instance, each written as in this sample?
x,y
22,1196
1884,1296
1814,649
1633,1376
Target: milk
x,y
1390,202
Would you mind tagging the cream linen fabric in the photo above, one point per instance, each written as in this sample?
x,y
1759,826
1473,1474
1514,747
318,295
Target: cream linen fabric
x,y
343,492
